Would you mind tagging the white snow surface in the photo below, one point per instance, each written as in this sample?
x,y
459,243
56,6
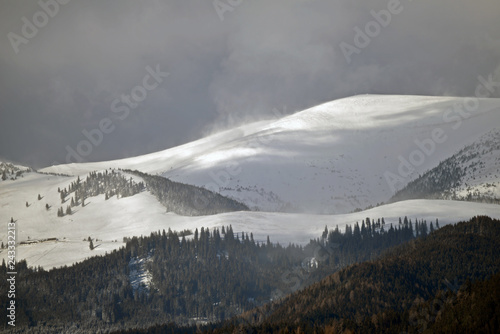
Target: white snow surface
x,y
142,214
329,159
332,158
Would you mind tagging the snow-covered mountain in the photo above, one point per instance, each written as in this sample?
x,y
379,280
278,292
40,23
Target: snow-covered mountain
x,y
472,174
50,241
333,158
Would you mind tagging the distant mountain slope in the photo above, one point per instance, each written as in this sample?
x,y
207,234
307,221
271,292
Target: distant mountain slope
x,y
187,200
332,158
471,174
9,171
476,309
113,219
372,297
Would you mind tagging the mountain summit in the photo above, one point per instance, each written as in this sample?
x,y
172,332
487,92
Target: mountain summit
x,y
336,157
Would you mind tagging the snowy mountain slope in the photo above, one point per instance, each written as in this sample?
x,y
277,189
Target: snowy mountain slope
x,y
10,171
109,221
473,173
332,158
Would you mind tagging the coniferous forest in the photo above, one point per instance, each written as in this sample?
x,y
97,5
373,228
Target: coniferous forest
x,y
191,277
187,200
446,282
177,197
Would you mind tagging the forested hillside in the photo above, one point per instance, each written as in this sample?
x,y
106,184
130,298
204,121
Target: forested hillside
x,y
383,296
189,277
188,200
471,175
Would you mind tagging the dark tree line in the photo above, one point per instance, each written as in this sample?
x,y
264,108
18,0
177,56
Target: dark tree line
x,y
440,283
97,183
210,275
186,199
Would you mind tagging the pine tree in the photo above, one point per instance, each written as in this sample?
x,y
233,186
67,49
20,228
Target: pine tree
x,y
91,245
357,232
325,233
39,197
68,210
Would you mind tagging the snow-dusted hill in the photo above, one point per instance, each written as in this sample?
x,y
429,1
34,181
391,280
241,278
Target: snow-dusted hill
x,y
480,162
473,173
333,158
50,241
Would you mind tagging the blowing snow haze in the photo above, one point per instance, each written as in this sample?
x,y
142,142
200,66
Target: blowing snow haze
x,y
70,68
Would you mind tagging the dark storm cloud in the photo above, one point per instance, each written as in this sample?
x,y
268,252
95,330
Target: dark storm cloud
x,y
262,55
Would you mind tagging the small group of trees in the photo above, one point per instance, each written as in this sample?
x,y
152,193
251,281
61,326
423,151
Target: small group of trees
x,y
62,213
39,197
98,183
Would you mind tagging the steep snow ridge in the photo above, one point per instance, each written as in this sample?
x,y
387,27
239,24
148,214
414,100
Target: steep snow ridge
x,y
332,158
108,222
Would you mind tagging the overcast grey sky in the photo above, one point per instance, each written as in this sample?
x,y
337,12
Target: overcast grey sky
x,y
226,65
